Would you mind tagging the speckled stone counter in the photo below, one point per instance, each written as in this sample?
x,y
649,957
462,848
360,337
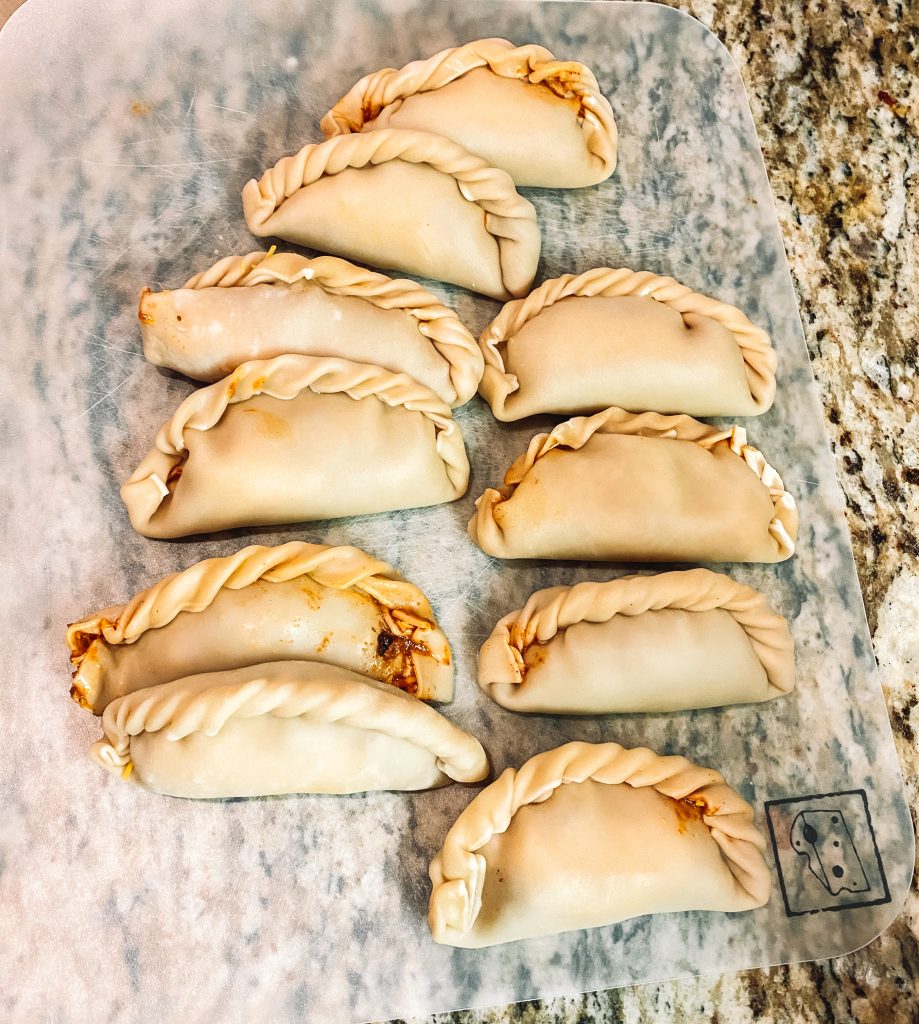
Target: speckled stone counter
x,y
834,90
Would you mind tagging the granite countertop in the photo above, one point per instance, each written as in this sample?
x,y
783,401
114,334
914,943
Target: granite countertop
x,y
835,97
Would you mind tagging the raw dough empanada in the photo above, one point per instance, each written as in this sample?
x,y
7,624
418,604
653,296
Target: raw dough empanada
x,y
542,120
670,642
647,488
631,339
409,200
284,727
297,438
587,835
297,601
265,304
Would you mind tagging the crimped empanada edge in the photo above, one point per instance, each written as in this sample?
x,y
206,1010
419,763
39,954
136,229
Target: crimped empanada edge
x,y
498,383
367,98
285,377
509,218
359,702
434,321
551,611
405,608
457,872
576,432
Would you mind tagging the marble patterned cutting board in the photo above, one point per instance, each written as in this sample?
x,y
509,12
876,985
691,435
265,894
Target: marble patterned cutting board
x,y
126,133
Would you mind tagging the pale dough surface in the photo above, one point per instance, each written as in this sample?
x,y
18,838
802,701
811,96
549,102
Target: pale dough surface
x,y
283,727
590,834
273,756
643,499
248,458
593,855
399,215
207,332
525,129
297,620
654,642
668,660
582,354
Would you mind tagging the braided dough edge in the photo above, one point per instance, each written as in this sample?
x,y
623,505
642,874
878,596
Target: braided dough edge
x,y
366,99
285,377
551,611
458,870
509,218
358,702
576,432
195,588
435,321
760,359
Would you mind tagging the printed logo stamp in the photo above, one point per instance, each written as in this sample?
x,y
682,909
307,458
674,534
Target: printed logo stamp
x,y
826,852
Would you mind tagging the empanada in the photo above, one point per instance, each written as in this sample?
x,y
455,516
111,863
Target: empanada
x,y
284,727
265,304
409,200
670,642
587,835
542,120
580,343
297,438
297,601
647,488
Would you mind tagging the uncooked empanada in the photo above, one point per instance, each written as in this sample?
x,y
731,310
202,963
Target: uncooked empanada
x,y
587,835
647,488
410,200
678,640
284,727
542,120
265,304
297,438
297,601
581,343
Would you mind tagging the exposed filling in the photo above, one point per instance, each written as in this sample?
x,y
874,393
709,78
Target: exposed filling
x,y
142,314
562,84
396,653
81,640
174,474
81,643
689,809
78,694
394,650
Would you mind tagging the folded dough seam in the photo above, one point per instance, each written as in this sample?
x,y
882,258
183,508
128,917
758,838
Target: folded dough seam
x,y
576,432
404,607
549,612
568,79
509,218
178,710
760,359
458,872
435,321
285,377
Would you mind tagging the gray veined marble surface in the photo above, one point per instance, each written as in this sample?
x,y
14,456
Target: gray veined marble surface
x,y
127,131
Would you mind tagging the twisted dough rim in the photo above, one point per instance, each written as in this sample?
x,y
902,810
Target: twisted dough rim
x,y
194,589
760,358
435,321
367,98
285,377
343,698
576,432
509,218
458,870
551,611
